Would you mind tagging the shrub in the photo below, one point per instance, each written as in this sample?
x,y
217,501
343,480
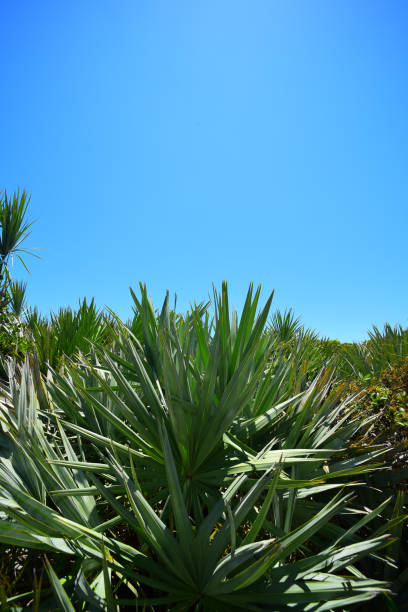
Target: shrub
x,y
176,471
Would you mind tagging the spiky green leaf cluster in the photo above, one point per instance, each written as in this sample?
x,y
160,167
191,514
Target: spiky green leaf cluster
x,y
191,465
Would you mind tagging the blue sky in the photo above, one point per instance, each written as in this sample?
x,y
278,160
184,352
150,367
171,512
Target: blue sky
x,y
182,143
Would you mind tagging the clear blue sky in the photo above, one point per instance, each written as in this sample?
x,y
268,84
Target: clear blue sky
x,y
181,143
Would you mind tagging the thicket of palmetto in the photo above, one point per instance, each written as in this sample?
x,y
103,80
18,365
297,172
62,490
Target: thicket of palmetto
x,y
208,461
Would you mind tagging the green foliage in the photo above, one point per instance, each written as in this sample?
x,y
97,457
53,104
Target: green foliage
x,y
14,340
17,298
66,333
14,230
386,396
383,349
190,463
284,326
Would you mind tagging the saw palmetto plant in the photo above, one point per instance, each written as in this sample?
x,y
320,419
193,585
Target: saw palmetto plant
x,y
66,333
191,464
17,296
383,349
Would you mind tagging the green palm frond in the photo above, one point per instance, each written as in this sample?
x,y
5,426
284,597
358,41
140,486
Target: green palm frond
x,y
384,349
17,292
285,326
14,226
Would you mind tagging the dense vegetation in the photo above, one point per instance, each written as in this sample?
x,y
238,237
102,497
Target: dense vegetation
x,y
205,461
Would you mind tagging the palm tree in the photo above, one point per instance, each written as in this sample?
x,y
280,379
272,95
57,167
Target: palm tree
x,y
14,230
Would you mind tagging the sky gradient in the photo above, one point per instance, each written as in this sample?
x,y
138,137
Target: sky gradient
x,y
182,143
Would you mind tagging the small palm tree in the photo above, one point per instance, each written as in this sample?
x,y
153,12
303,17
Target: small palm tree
x,y
14,230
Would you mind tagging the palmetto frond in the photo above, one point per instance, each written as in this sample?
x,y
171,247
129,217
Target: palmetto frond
x,y
14,226
17,292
